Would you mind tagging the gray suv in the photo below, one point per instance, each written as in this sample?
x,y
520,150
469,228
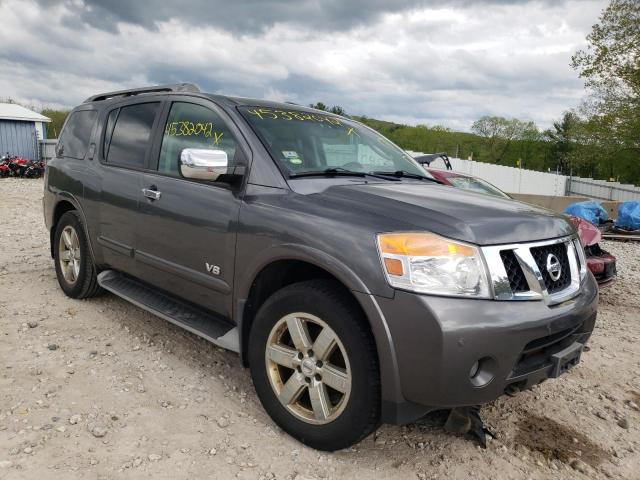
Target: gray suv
x,y
356,288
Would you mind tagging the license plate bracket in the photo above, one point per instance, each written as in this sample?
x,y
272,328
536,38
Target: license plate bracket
x,y
566,359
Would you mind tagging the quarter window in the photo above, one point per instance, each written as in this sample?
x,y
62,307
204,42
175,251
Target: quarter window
x,y
131,134
75,138
193,126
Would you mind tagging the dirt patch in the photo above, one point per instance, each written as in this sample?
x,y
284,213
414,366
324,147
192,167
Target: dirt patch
x,y
558,442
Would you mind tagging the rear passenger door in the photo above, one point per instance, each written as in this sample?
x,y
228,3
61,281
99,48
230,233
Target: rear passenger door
x,y
125,155
187,235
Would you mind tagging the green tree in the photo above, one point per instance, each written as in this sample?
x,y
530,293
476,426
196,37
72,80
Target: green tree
x,y
562,138
57,120
499,133
338,110
319,106
610,66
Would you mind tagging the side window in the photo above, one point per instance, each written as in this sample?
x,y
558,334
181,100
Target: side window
x,y
193,126
75,138
131,134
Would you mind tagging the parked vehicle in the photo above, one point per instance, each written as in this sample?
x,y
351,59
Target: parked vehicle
x,y
14,166
600,262
356,288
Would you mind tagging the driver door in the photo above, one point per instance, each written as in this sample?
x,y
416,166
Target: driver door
x,y
187,233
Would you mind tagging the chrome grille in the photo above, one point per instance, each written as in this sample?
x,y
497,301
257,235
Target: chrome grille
x,y
526,271
517,280
559,250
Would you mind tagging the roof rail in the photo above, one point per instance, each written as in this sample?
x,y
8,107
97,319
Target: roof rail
x,y
176,87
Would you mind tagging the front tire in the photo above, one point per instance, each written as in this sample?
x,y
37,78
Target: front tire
x,y
314,365
76,272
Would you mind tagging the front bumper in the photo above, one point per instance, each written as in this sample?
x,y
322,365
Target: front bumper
x,y
437,341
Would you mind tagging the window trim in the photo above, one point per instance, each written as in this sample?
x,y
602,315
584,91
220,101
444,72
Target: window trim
x,y
104,149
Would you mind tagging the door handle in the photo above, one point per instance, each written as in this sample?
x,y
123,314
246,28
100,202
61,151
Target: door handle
x,y
151,193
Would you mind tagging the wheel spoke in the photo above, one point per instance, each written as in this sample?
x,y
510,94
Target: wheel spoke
x,y
292,389
68,272
74,240
324,344
76,268
65,256
319,401
66,238
336,378
282,355
299,334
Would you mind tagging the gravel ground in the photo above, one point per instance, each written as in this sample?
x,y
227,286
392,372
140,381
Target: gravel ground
x,y
102,389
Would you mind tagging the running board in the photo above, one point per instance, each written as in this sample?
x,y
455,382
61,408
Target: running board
x,y
164,306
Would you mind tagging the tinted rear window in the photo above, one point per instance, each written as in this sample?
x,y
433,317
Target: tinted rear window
x,y
76,135
131,134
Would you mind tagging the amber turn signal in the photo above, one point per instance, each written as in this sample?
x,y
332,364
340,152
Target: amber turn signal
x,y
421,245
394,266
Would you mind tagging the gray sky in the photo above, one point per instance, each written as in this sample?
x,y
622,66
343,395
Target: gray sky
x,y
432,62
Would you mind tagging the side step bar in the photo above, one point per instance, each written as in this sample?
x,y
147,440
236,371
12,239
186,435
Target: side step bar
x,y
186,316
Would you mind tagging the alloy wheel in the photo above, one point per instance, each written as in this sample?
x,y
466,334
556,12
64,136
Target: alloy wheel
x,y
308,368
69,254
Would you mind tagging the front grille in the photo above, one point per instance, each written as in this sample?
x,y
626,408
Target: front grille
x,y
517,280
540,255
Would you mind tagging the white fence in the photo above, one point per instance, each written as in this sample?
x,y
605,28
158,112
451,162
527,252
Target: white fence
x,y
520,180
47,149
601,190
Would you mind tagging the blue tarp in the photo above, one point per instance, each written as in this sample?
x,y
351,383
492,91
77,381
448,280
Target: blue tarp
x,y
590,211
629,216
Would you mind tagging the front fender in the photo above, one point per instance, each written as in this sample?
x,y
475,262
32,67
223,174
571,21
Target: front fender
x,y
389,377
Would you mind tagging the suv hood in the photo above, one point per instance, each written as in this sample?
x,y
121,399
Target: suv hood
x,y
458,214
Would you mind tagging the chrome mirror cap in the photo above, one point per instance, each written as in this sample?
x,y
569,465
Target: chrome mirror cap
x,y
202,164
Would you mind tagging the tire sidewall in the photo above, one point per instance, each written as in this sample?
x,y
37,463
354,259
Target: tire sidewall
x,y
362,401
72,219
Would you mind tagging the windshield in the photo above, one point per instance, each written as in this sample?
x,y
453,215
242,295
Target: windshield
x,y
476,185
313,142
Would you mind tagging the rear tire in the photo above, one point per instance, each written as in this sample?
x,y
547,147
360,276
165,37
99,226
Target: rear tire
x,y
329,398
76,272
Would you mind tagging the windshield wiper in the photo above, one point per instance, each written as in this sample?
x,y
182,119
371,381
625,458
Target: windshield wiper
x,y
337,171
405,174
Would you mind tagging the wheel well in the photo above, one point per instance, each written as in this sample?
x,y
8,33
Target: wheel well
x,y
272,278
61,208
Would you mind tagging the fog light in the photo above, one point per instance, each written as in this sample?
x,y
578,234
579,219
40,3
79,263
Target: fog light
x,y
483,371
474,369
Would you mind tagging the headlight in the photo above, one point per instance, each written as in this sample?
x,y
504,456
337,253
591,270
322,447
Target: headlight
x,y
428,263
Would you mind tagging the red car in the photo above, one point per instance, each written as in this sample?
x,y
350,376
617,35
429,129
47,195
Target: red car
x,y
601,263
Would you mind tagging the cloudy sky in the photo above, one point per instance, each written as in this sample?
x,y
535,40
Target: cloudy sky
x,y
433,62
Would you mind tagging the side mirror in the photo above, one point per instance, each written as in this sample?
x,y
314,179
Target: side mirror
x,y
202,164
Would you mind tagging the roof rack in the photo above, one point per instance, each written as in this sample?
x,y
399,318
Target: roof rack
x,y
176,87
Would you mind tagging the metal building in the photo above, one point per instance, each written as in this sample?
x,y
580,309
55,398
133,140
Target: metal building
x,y
20,131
